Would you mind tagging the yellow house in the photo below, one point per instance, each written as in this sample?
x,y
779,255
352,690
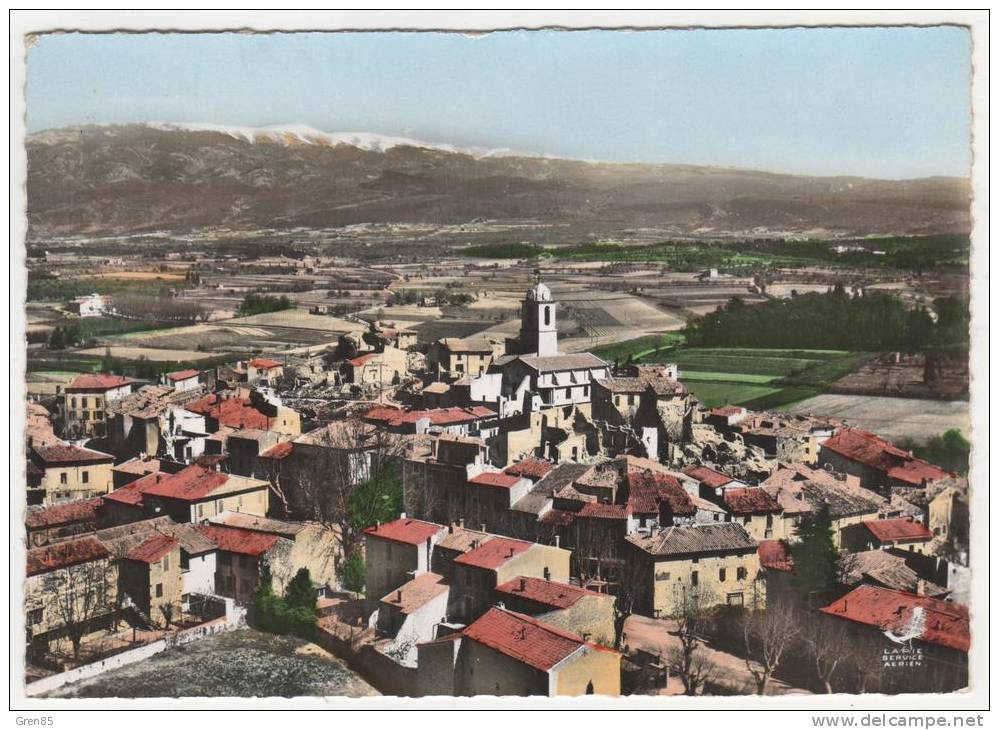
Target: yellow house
x,y
451,358
197,493
477,572
505,653
68,473
717,563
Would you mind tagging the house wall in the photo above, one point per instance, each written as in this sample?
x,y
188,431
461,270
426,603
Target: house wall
x,y
414,628
672,577
386,565
436,668
588,671
315,548
237,577
758,528
484,671
43,591
253,502
199,577
592,617
98,478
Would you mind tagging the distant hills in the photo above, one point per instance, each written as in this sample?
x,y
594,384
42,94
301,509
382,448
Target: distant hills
x,y
114,180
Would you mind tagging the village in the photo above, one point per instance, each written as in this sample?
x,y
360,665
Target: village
x,y
490,514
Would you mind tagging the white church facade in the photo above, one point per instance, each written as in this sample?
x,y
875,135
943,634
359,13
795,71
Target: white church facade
x,y
534,375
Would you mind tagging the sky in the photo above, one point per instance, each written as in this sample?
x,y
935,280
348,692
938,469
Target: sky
x,y
877,102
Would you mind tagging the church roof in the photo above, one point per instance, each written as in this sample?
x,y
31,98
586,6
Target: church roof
x,y
574,361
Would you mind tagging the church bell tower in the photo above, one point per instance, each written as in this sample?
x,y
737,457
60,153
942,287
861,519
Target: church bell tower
x,y
538,330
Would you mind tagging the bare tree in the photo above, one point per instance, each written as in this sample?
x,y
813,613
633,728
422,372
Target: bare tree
x,y
827,644
344,476
81,594
693,619
167,610
768,633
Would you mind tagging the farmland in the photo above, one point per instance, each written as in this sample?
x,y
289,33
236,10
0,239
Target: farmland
x,y
755,377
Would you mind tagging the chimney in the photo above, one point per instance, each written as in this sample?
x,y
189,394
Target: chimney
x,y
557,540
548,573
450,529
461,523
398,596
523,584
402,515
510,553
482,527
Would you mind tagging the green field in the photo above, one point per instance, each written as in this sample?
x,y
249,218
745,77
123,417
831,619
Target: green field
x,y
641,348
758,378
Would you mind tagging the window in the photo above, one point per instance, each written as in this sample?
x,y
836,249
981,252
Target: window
x,y
159,590
166,562
662,575
72,402
85,476
86,415
548,315
741,573
201,511
63,478
721,575
747,519
717,517
694,577
586,391
734,599
84,403
35,616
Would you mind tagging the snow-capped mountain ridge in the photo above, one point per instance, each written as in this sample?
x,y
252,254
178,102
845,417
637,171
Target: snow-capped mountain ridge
x,y
304,134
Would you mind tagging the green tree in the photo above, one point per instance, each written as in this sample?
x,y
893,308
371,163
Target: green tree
x,y
815,558
301,593
352,573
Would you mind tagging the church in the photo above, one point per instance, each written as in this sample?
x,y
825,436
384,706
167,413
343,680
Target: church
x,y
533,375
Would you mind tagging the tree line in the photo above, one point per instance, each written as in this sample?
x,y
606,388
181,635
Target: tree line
x,y
835,320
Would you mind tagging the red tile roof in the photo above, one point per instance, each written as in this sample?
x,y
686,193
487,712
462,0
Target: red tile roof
x,y
880,455
101,381
437,416
69,454
531,467
647,490
65,554
191,483
599,510
152,549
775,555
494,554
529,641
238,540
708,476
937,622
183,375
81,510
279,451
726,411
407,531
495,479
557,518
750,500
898,529
263,363
546,592
416,593
232,412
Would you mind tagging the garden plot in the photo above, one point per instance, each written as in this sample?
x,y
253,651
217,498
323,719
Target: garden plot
x,y
243,663
148,353
893,418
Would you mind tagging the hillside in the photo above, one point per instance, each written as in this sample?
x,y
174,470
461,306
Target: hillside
x,y
139,178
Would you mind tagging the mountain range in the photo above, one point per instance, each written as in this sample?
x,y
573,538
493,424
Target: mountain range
x,y
132,179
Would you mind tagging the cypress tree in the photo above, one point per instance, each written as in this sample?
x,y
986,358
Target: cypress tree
x,y
815,556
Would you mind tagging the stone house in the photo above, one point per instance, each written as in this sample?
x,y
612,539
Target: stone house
x,y
877,463
66,472
453,358
902,533
477,572
717,562
395,552
586,613
150,575
85,402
